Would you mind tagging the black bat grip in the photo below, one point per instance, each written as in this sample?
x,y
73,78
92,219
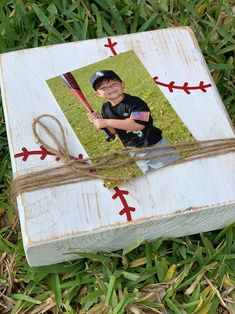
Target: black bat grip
x,y
108,136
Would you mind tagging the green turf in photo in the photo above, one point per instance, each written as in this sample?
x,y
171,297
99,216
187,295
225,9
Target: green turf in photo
x,y
139,83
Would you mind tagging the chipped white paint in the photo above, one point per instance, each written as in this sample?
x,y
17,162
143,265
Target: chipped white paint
x,y
177,200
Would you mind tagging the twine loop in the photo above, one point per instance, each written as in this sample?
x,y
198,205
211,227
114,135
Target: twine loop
x,y
62,150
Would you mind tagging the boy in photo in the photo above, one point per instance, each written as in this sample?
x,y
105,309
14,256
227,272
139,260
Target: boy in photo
x,y
129,117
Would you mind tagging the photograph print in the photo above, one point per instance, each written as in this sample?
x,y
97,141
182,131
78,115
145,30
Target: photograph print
x,y
114,103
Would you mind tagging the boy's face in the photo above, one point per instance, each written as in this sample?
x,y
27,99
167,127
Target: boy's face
x,y
111,90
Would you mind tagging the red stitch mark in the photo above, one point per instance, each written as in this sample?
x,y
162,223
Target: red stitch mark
x,y
126,209
111,46
171,86
26,153
43,152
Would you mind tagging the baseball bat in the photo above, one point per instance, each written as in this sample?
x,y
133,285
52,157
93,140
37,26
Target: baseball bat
x,y
70,81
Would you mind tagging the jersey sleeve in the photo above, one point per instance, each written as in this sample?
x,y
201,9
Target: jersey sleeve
x,y
103,111
140,113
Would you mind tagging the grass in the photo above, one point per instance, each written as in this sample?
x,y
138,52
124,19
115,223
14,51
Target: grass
x,y
192,274
188,275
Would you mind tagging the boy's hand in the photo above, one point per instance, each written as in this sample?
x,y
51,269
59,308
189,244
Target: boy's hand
x,y
97,120
93,116
100,123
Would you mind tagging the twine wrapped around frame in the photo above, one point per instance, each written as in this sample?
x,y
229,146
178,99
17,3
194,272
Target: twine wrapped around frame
x,y
74,170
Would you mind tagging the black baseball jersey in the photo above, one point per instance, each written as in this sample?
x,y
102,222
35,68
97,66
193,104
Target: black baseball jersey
x,y
132,106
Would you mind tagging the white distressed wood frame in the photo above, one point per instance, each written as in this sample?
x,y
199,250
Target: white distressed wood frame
x,y
178,200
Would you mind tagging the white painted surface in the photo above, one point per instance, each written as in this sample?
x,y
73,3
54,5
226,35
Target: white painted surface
x,y
107,239
84,216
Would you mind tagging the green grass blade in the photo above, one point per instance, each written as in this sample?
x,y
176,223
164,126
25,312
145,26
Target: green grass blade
x,y
111,288
46,23
55,285
147,25
25,297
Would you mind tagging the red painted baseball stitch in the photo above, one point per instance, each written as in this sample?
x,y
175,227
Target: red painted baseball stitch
x,y
43,152
111,46
126,209
171,86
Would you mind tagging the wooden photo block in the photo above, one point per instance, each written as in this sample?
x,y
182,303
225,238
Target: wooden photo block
x,y
183,198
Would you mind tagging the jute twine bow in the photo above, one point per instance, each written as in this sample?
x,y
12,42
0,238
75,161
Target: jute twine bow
x,y
75,170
